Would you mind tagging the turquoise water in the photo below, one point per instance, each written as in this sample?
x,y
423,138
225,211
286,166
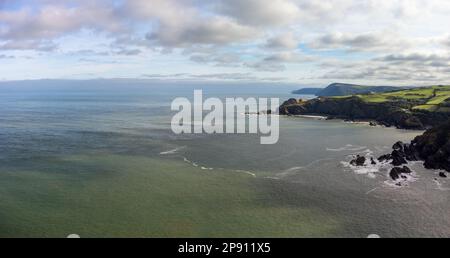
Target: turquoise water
x,y
98,159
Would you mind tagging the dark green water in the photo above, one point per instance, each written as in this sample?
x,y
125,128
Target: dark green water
x,y
100,160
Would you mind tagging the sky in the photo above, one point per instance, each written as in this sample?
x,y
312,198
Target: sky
x,y
373,42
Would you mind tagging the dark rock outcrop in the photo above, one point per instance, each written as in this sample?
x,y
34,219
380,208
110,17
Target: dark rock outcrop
x,y
385,158
398,158
433,147
372,161
399,172
358,161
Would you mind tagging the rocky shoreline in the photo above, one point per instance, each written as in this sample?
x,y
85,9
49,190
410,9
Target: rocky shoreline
x,y
433,148
398,114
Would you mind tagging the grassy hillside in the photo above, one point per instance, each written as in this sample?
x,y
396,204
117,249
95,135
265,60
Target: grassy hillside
x,y
435,98
344,89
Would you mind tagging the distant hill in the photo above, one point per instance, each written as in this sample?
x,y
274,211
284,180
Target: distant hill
x,y
308,91
343,89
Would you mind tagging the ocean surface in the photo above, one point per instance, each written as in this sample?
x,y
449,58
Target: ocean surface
x,y
98,159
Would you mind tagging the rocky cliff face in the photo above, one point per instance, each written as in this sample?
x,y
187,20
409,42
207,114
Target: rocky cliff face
x,y
433,147
398,114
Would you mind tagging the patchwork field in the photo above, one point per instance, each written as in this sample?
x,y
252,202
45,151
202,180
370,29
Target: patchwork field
x,y
435,98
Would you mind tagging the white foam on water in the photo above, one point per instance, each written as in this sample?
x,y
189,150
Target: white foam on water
x,y
245,172
440,186
289,171
173,151
382,148
195,164
371,191
380,168
190,162
369,169
272,178
348,147
312,117
294,170
402,182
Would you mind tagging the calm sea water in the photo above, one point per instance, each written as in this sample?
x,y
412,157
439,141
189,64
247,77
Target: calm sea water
x,y
98,159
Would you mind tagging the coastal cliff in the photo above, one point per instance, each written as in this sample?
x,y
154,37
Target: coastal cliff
x,y
433,148
426,108
419,108
398,114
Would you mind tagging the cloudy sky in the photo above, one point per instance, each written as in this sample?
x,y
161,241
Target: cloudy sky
x,y
395,42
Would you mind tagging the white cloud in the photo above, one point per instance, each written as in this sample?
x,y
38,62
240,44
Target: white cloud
x,y
265,66
260,13
216,31
378,40
36,45
221,59
6,57
286,56
381,41
54,21
283,41
178,24
446,42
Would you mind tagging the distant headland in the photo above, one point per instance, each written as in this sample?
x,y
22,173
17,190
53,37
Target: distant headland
x,y
343,89
413,108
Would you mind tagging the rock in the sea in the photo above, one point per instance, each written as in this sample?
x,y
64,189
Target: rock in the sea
x,y
384,158
359,161
433,147
398,146
372,161
398,158
397,172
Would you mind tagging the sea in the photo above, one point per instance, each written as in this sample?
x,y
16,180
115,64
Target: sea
x,y
98,158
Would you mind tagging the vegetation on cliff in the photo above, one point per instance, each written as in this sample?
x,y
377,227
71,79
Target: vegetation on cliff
x,y
417,108
344,89
434,98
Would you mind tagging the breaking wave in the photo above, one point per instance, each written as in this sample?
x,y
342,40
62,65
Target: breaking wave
x,y
373,168
173,151
348,147
195,164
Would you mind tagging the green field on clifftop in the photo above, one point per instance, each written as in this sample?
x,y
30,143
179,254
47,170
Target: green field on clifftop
x,y
434,98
